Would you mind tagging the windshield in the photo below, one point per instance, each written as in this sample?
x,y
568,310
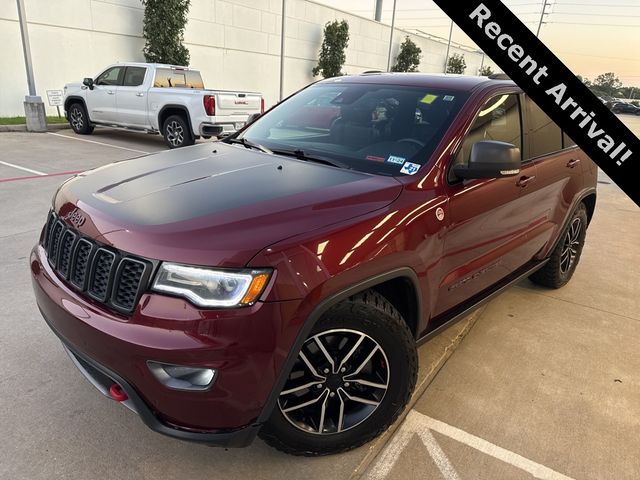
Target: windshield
x,y
381,129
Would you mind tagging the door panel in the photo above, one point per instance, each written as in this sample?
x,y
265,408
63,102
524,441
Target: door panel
x,y
101,100
132,98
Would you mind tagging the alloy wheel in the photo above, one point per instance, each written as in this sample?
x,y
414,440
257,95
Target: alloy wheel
x,y
77,118
175,133
570,246
338,381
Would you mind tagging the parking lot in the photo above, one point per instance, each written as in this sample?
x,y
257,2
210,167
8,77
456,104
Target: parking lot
x,y
538,384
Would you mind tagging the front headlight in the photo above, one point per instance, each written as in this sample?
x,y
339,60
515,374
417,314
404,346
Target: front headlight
x,y
211,288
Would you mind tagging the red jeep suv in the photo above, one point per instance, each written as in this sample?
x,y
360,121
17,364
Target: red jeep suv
x,y
276,283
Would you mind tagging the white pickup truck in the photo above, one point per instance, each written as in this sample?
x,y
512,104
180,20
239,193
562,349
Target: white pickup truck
x,y
157,98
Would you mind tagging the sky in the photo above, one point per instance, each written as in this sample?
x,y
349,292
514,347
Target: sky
x,y
590,36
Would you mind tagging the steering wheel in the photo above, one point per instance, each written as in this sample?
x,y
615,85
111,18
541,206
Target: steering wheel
x,y
412,140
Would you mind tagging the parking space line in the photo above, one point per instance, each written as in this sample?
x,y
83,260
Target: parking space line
x,y
417,423
22,168
98,143
31,177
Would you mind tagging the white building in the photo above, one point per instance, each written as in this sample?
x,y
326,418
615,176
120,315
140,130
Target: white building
x,y
235,43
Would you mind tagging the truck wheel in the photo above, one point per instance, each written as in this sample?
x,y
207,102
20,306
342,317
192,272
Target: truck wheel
x,y
79,120
176,132
564,259
353,376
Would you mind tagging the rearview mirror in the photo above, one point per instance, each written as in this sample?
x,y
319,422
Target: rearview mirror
x,y
490,159
88,82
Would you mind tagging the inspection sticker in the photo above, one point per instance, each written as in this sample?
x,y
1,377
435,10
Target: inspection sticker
x,y
396,160
410,168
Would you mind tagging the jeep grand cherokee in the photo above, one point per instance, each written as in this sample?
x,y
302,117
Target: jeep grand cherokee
x,y
276,283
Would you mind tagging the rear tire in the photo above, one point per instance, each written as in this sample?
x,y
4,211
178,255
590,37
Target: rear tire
x,y
565,257
367,341
176,132
79,119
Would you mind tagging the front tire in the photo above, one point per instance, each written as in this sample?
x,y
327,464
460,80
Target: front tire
x,y
79,120
353,376
176,132
565,257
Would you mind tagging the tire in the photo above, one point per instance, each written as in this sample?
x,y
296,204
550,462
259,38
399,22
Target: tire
x,y
176,132
566,256
367,341
79,119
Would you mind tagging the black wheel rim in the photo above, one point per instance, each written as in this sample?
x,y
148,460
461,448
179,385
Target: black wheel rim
x,y
338,381
570,246
77,119
175,133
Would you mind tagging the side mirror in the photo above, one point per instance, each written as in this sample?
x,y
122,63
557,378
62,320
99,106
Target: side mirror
x,y
490,159
253,117
88,82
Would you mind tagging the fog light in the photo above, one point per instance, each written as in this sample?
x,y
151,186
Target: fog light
x,y
180,377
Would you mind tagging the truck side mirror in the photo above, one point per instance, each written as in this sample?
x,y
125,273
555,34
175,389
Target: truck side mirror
x,y
490,159
88,82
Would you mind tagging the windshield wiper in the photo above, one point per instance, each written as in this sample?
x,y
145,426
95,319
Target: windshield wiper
x,y
300,155
249,144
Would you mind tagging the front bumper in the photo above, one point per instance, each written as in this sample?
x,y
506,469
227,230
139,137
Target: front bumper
x,y
247,347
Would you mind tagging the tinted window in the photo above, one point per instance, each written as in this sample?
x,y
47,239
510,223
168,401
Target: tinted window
x,y
545,136
175,78
134,76
369,127
111,76
498,119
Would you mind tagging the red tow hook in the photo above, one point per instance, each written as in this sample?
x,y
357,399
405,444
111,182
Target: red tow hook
x,y
117,393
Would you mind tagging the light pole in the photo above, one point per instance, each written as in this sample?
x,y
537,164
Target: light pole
x,y
33,106
446,58
378,14
393,24
282,32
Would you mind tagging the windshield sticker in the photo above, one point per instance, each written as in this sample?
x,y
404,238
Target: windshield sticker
x,y
428,98
373,158
448,98
396,160
410,168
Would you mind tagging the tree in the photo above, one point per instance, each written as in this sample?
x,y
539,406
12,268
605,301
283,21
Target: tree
x,y
163,30
456,64
409,57
486,71
608,83
585,80
332,55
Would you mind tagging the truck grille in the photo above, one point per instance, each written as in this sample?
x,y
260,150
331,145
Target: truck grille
x,y
108,276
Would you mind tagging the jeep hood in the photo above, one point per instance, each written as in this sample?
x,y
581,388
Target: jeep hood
x,y
214,204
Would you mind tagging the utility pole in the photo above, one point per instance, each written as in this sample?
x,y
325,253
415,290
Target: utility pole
x,y
393,24
378,14
33,106
282,32
544,12
446,58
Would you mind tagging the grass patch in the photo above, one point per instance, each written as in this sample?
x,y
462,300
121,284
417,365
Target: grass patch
x,y
23,120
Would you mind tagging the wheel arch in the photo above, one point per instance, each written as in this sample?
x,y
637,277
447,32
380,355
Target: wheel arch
x,y
174,109
404,278
75,99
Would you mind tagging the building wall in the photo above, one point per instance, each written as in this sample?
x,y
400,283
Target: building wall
x,y
235,44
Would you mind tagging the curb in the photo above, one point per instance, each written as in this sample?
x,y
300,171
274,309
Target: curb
x,y
378,444
23,127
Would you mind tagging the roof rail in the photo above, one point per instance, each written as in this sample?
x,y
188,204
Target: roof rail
x,y
499,76
371,71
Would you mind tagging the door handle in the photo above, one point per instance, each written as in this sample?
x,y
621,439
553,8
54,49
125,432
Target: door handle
x,y
110,92
573,162
139,94
524,181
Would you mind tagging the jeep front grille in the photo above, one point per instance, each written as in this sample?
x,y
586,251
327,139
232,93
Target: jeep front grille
x,y
111,277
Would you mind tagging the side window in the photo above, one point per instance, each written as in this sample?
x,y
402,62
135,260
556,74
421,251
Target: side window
x,y
545,136
566,141
498,119
111,76
134,76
